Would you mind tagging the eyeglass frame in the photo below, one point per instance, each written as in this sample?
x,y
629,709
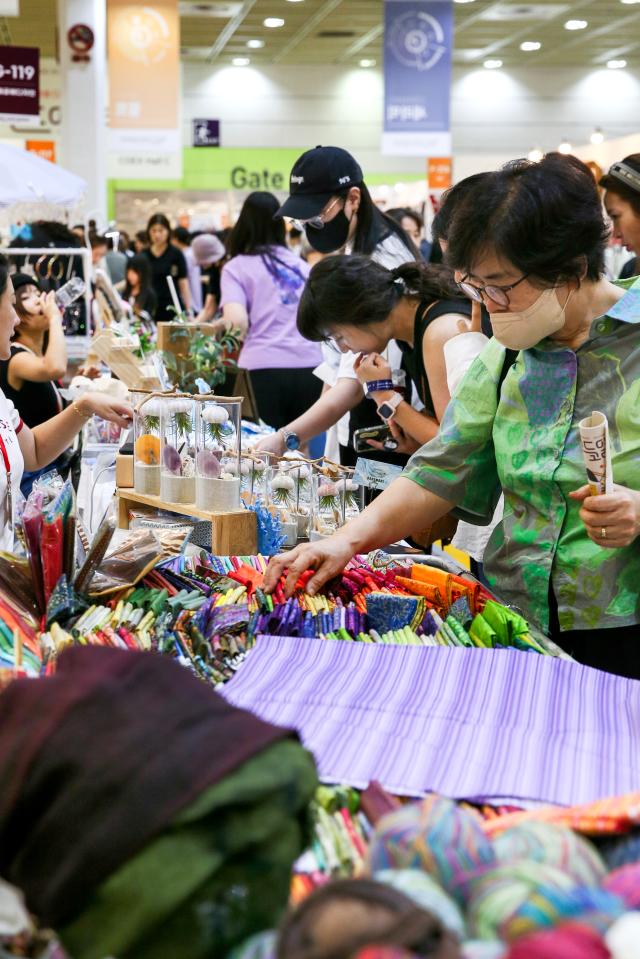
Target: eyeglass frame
x,y
478,293
315,222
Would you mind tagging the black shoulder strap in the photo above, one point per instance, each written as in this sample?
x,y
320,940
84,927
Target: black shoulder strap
x,y
510,356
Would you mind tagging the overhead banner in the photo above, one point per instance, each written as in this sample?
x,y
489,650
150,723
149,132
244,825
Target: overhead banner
x,y
20,84
144,90
418,40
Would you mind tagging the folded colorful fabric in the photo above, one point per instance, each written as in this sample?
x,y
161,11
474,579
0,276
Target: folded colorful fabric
x,y
218,874
96,760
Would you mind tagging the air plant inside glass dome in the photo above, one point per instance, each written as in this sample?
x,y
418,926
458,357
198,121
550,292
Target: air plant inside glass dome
x,y
348,491
301,475
216,419
283,488
328,497
176,455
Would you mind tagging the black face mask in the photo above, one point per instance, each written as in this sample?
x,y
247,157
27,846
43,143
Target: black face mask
x,y
332,237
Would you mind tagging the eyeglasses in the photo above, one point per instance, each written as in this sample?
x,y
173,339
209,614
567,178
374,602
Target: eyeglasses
x,y
317,222
498,294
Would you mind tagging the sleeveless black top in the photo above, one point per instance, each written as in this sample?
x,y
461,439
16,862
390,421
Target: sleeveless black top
x,y
36,402
413,357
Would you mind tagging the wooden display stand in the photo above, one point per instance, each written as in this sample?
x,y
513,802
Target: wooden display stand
x,y
176,337
122,362
232,534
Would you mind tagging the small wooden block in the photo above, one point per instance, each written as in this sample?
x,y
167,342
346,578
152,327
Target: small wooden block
x,y
124,470
234,534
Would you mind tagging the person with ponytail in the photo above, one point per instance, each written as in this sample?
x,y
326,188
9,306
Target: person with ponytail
x,y
361,306
261,284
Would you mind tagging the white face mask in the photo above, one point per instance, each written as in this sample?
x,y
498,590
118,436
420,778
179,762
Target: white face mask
x,y
522,330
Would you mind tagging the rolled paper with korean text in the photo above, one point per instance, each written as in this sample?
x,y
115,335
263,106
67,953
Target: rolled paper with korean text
x,y
594,436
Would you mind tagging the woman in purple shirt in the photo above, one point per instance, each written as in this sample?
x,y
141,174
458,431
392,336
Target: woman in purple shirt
x,y
261,287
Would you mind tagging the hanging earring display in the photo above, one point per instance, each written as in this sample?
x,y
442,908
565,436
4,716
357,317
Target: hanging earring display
x,y
38,271
50,274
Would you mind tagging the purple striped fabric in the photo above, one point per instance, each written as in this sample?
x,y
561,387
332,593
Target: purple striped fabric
x,y
467,723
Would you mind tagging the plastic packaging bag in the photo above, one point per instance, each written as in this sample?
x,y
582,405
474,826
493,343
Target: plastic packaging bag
x,y
127,563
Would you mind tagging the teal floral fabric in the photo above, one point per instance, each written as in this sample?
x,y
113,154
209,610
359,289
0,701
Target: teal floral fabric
x,y
526,442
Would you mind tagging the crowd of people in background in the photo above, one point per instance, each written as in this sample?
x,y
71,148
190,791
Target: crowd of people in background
x,y
326,338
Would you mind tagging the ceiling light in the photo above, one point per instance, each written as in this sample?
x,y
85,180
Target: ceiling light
x,y
576,24
492,64
597,136
530,45
469,1
241,61
616,64
629,1
565,147
535,155
273,22
255,44
367,63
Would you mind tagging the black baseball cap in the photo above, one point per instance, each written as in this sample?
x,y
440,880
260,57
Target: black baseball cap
x,y
317,176
24,279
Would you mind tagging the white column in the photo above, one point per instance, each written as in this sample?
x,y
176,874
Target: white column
x,y
83,138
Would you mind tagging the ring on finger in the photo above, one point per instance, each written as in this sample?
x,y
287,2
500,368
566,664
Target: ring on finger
x,y
603,532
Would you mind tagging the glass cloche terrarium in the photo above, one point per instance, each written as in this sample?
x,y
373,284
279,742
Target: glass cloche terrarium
x,y
255,472
146,447
219,463
300,472
336,498
284,501
178,435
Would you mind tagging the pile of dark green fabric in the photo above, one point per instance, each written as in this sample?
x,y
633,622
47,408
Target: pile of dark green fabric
x,y
143,816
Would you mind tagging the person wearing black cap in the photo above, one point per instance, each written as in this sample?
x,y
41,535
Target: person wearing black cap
x,y
329,200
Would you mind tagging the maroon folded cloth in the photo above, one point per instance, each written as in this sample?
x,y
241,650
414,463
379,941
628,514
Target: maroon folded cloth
x,y
97,759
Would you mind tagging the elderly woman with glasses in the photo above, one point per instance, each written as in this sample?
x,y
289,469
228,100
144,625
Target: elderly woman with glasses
x,y
529,241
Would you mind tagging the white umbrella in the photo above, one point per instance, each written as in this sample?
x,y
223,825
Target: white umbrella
x,y
27,178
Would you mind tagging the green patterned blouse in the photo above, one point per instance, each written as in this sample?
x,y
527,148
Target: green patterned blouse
x,y
527,443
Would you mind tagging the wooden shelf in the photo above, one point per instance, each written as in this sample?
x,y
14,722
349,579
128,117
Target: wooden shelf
x,y
232,534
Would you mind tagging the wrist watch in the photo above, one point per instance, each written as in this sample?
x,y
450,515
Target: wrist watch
x,y
386,411
291,439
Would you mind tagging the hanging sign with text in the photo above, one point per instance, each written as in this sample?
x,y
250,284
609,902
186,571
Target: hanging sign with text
x,y
144,90
19,84
418,38
205,133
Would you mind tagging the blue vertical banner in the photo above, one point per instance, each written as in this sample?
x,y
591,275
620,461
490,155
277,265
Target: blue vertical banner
x,y
418,41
